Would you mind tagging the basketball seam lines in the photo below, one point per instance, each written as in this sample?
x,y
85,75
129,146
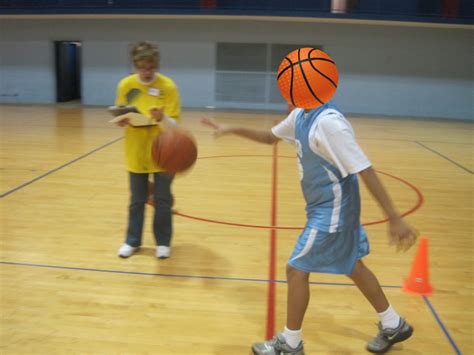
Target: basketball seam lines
x,y
311,63
306,80
330,80
302,61
291,82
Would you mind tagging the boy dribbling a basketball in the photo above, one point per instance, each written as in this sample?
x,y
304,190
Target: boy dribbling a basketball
x,y
155,96
333,240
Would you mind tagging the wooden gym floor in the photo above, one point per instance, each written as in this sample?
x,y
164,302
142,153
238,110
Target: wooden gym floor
x,y
64,198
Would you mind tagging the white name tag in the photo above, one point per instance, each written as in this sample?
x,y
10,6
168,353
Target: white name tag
x,y
153,92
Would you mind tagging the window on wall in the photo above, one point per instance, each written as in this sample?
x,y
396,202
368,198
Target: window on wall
x,y
246,73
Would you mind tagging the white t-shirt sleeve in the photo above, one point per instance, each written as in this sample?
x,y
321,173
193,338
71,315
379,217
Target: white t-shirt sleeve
x,y
286,129
332,137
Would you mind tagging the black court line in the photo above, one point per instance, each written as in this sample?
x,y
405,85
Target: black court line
x,y
445,157
58,168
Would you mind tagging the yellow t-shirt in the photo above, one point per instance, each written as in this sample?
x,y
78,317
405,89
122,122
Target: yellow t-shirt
x,y
162,92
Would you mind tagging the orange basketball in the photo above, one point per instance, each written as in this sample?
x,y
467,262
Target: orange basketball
x,y
174,150
307,78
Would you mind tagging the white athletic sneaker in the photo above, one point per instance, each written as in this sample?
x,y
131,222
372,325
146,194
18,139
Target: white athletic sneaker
x,y
126,250
163,252
387,337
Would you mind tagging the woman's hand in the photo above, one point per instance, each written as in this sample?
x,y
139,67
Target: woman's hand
x,y
157,113
123,123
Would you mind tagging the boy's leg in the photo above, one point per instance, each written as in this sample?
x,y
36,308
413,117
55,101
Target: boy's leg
x,y
289,341
136,209
368,284
392,328
298,297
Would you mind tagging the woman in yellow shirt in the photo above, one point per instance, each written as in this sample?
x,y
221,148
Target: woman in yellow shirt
x,y
156,96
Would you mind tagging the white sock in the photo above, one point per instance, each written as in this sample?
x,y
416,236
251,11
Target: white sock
x,y
292,337
389,318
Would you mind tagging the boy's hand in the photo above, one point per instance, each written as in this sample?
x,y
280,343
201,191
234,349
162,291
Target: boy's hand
x,y
123,123
157,113
401,234
218,129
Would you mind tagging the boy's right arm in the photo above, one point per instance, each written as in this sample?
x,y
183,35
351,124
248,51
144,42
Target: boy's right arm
x,y
261,136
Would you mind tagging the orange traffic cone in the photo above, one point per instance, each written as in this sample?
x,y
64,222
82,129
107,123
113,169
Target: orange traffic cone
x,y
418,281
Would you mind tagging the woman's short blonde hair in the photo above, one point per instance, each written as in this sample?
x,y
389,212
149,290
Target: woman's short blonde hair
x,y
145,50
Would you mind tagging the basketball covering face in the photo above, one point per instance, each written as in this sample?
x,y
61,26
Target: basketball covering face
x,y
307,78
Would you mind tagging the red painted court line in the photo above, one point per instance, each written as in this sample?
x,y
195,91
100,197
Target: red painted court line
x,y
272,262
419,195
419,202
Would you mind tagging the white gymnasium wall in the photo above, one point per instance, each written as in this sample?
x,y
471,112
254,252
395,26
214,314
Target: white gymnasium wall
x,y
26,73
384,69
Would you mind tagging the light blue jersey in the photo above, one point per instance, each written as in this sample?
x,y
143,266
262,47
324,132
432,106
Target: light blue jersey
x,y
332,202
333,239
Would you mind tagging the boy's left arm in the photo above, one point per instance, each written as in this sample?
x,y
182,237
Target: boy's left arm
x,y
401,234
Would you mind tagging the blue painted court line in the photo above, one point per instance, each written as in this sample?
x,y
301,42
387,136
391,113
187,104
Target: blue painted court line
x,y
441,324
445,157
218,278
58,168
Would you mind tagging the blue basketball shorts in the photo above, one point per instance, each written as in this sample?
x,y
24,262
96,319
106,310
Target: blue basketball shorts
x,y
332,253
